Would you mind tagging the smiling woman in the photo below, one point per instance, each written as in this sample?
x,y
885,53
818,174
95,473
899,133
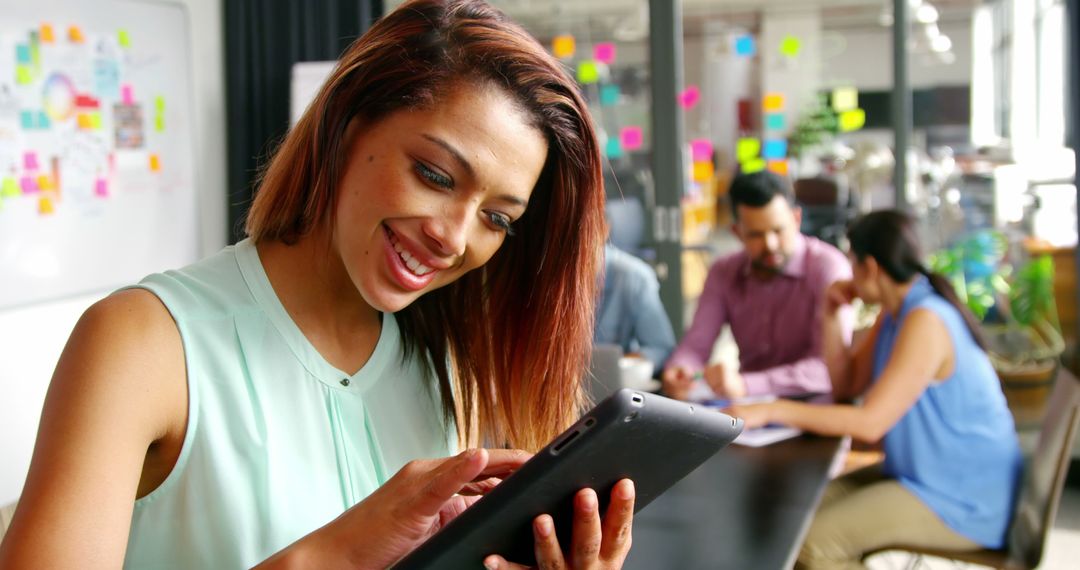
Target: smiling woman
x,y
420,270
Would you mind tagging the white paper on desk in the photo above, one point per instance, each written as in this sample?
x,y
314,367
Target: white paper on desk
x,y
762,436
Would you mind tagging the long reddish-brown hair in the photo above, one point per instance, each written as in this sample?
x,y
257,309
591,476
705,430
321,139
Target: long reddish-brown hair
x,y
509,342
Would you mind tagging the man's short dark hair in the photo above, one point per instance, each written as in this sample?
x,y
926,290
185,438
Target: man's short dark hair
x,y
757,189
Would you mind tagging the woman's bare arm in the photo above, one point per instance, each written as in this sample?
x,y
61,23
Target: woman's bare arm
x,y
119,387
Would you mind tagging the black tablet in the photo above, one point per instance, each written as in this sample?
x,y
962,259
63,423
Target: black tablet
x,y
653,440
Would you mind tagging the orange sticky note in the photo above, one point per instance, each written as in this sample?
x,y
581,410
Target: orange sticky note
x,y
778,167
773,102
84,121
45,205
47,34
155,163
75,35
703,171
563,46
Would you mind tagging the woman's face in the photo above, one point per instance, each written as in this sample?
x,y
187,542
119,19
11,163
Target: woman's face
x,y
864,277
428,194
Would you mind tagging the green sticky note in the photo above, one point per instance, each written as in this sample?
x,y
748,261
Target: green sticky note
x,y
123,38
754,165
844,99
747,149
95,120
587,72
9,188
23,75
790,46
159,123
159,104
852,120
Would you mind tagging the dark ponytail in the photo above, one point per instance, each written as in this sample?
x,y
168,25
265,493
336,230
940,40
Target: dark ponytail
x,y
890,237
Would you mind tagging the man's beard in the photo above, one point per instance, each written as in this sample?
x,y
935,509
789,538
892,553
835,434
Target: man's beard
x,y
759,265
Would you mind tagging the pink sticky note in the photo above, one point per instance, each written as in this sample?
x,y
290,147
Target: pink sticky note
x,y
29,185
101,188
127,96
701,149
631,137
604,52
689,97
30,161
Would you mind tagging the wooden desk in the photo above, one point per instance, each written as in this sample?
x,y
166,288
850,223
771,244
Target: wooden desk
x,y
746,508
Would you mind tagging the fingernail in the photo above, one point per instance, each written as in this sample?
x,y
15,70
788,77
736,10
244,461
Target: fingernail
x,y
588,500
491,564
626,490
543,526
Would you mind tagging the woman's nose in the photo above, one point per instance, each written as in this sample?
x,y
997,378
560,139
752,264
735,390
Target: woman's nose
x,y
449,231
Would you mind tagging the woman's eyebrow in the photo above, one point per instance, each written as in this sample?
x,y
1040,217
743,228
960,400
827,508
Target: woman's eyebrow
x,y
454,152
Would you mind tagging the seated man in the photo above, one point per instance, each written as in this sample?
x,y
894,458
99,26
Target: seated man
x,y
629,313
771,294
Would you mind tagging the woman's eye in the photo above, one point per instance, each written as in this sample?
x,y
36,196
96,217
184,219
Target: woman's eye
x,y
501,221
434,177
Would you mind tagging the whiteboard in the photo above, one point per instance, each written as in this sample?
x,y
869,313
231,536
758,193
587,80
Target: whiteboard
x,y
97,183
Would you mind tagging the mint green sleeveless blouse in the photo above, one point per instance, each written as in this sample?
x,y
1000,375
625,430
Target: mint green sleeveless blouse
x,y
278,441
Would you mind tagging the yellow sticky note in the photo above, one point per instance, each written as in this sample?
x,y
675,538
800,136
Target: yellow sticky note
x,y
84,121
852,120
747,149
45,183
703,171
779,167
563,46
587,72
123,38
844,99
75,35
752,166
45,205
23,75
159,103
9,188
155,163
48,36
773,102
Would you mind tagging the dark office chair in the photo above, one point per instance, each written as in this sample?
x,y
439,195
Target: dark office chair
x,y
1040,493
824,203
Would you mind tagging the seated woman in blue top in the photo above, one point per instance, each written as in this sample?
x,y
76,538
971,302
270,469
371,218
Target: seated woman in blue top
x,y
952,459
420,276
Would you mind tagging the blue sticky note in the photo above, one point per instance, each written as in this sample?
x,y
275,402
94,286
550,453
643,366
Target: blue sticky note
x,y
22,54
774,149
613,149
43,121
774,121
744,46
27,120
609,95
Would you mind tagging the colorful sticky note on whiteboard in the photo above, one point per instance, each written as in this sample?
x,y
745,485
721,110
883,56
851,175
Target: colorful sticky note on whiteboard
x,y
26,118
44,182
613,149
774,121
790,46
689,97
774,149
75,35
155,163
45,205
747,149
852,120
123,39
101,188
609,95
30,161
703,171
752,166
604,52
632,138
778,167
844,99
159,123
84,121
47,35
28,185
95,120
127,95
563,46
772,102
701,149
22,54
744,45
43,121
23,75
159,103
587,72
9,188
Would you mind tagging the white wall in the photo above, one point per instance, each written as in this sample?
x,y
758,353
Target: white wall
x,y
32,337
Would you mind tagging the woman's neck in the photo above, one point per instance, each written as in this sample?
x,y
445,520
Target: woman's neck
x,y
893,295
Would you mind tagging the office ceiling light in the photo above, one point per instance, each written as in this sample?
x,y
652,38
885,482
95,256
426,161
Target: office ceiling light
x,y
940,43
926,13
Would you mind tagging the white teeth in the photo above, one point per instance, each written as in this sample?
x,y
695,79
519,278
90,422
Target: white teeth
x,y
410,262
